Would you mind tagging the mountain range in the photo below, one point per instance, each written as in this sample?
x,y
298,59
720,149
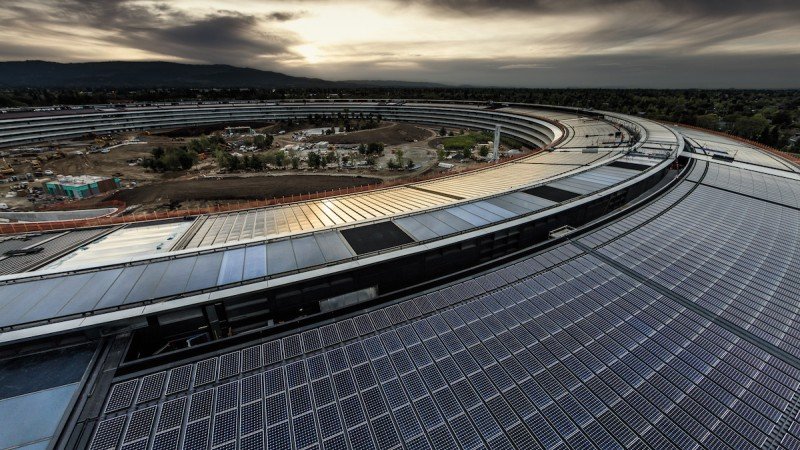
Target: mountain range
x,y
138,75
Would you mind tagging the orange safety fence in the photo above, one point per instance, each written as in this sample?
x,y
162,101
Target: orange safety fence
x,y
28,227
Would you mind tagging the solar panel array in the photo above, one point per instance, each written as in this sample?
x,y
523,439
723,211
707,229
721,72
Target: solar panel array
x,y
734,255
714,144
567,157
74,294
742,262
341,210
585,132
494,181
594,180
25,302
124,243
563,349
9,243
638,219
464,217
51,247
675,326
313,215
755,184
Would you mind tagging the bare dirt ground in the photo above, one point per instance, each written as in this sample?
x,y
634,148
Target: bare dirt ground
x,y
235,188
188,189
411,139
395,134
106,164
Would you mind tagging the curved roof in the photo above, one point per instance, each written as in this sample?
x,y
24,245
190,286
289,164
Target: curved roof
x,y
675,325
228,251
671,322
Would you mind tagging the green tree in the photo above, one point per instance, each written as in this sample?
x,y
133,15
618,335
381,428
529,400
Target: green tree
x,y
215,140
187,159
331,157
171,159
442,132
750,127
262,142
375,147
314,160
157,152
256,163
148,163
234,163
484,151
782,118
708,121
195,146
295,162
280,158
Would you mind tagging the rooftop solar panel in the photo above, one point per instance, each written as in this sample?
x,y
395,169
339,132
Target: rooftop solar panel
x,y
783,191
573,353
672,326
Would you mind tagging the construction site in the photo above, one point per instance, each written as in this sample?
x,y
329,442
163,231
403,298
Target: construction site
x,y
296,160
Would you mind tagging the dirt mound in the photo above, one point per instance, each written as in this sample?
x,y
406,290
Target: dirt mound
x,y
396,134
236,188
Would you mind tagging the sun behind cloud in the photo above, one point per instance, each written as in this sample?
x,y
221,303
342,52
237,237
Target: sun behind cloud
x,y
642,43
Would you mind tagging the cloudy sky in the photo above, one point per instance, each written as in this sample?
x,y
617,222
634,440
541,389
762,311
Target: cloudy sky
x,y
527,43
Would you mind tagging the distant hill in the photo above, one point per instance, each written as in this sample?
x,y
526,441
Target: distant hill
x,y
390,83
118,74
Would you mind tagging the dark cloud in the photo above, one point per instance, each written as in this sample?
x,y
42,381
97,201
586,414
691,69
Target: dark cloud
x,y
284,16
624,71
684,7
694,33
224,37
669,35
630,43
218,37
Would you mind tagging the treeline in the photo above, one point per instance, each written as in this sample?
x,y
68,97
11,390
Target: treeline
x,y
170,160
768,116
256,162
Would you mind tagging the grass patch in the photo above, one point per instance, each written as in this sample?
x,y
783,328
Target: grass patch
x,y
465,141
